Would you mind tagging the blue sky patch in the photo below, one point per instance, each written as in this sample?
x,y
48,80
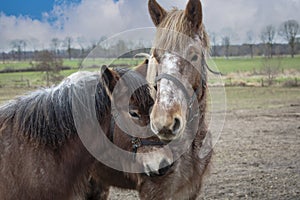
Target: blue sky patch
x,y
30,8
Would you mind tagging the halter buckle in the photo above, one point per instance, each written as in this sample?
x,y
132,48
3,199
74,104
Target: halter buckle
x,y
136,143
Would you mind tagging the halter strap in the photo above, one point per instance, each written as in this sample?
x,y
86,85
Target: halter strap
x,y
135,141
138,142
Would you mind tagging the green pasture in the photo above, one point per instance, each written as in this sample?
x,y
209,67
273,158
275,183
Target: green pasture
x,y
90,62
234,65
255,65
230,65
36,79
237,97
27,79
14,65
75,63
125,62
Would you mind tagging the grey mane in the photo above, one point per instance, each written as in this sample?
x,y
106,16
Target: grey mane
x,y
46,115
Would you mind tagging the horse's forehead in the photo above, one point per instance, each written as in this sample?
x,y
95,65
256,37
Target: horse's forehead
x,y
179,48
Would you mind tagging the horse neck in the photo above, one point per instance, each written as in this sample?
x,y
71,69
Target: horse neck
x,y
75,157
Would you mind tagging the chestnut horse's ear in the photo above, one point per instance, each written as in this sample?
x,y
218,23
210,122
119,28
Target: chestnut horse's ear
x,y
157,13
109,77
193,13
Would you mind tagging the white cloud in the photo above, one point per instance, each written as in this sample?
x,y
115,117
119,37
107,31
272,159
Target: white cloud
x,y
244,15
12,28
95,18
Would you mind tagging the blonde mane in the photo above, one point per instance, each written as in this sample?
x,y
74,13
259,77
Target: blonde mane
x,y
175,33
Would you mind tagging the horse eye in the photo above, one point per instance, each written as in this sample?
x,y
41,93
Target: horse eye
x,y
195,58
134,114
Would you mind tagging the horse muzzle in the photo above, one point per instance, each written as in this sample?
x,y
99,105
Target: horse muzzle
x,y
167,130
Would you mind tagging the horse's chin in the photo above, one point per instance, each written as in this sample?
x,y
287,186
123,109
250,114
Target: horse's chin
x,y
161,172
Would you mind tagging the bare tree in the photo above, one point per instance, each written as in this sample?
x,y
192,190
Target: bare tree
x,y
289,30
267,37
213,38
250,41
24,45
47,62
121,46
226,44
3,57
228,34
20,46
55,44
271,69
68,43
82,43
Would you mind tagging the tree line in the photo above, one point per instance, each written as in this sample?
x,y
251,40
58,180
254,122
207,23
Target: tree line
x,y
288,31
68,48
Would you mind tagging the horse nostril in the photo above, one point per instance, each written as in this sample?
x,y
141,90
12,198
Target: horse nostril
x,y
176,125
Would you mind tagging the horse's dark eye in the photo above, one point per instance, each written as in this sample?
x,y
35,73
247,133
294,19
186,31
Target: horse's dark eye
x,y
194,58
134,114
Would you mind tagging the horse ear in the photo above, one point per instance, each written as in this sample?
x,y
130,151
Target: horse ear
x,y
157,13
193,13
109,77
142,68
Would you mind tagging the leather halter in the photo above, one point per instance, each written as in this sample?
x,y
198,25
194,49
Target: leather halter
x,y
135,141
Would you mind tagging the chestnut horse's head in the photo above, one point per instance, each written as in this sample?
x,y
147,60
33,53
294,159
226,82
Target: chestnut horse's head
x,y
178,58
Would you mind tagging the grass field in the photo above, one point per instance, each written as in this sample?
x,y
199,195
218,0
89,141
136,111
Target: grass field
x,y
233,65
27,79
232,68
32,79
75,63
237,97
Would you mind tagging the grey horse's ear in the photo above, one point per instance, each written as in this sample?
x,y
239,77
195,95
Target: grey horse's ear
x,y
157,13
193,12
109,77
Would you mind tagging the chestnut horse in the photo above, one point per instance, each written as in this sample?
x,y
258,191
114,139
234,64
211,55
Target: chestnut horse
x,y
41,153
178,57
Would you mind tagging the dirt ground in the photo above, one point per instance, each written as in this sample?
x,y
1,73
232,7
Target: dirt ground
x,y
257,155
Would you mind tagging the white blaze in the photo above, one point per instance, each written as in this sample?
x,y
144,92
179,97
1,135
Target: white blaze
x,y
169,93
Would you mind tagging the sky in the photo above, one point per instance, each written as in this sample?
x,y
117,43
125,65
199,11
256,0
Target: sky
x,y
30,8
38,21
